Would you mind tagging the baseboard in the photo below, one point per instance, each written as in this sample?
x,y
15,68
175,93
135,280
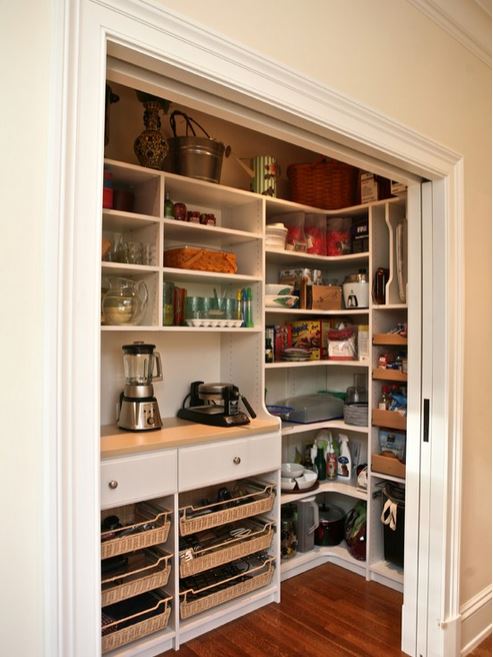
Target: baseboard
x,y
475,621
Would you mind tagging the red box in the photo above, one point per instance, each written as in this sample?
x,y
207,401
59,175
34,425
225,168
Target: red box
x,y
282,340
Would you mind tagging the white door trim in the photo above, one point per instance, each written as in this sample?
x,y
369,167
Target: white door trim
x,y
244,76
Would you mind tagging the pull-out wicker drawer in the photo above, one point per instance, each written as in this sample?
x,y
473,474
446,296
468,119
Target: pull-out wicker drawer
x,y
142,525
256,498
144,570
130,620
204,465
237,541
194,601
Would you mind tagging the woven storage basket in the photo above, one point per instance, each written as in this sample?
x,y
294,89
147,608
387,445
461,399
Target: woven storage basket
x,y
119,637
262,578
326,184
221,554
121,541
220,513
146,571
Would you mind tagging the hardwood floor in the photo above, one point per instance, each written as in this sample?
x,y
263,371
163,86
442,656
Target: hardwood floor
x,y
326,612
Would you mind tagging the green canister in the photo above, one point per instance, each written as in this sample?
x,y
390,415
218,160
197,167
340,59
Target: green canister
x,y
266,172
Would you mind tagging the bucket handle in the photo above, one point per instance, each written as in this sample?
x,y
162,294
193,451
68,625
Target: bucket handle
x,y
188,121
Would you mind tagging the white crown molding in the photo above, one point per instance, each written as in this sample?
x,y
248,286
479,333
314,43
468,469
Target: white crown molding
x,y
468,23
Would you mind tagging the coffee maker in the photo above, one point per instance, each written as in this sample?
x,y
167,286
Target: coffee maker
x,y
139,410
217,404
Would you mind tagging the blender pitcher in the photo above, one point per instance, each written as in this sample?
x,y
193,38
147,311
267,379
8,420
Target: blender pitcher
x,y
139,409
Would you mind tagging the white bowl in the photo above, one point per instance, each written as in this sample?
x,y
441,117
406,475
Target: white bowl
x,y
292,470
277,289
281,301
306,480
287,483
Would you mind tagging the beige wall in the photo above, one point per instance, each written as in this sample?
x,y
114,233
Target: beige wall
x,y
384,54
24,71
387,55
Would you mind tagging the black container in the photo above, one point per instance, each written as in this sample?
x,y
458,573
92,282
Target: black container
x,y
393,539
330,530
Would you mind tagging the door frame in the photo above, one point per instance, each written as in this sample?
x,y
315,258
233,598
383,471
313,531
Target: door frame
x,y
169,44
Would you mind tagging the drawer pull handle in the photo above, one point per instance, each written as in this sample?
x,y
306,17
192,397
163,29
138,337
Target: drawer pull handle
x,y
113,484
236,460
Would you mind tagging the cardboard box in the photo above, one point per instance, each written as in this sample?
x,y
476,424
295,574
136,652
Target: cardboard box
x,y
312,335
282,340
326,297
389,465
397,187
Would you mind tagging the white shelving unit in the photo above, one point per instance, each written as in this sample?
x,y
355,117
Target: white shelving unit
x,y
237,354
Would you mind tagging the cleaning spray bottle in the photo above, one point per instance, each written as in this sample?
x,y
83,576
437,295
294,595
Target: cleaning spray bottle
x,y
331,461
344,465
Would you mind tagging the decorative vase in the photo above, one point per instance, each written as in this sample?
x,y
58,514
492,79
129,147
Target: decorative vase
x,y
151,147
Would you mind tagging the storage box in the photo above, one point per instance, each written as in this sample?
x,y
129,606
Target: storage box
x,y
282,340
389,465
397,187
198,258
373,187
326,297
311,335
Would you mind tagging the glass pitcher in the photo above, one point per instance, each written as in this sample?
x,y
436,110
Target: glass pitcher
x,y
123,300
139,361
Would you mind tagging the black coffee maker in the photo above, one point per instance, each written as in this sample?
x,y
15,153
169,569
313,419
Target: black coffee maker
x,y
221,407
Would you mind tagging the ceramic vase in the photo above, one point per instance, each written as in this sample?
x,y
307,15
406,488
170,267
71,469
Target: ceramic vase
x,y
151,147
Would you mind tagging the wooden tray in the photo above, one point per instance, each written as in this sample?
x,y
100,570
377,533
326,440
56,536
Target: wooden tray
x,y
393,339
389,419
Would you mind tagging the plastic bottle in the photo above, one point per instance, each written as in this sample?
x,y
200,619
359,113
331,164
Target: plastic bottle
x,y
321,464
331,461
344,465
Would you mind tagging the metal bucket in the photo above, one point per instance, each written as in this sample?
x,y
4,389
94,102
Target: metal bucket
x,y
196,157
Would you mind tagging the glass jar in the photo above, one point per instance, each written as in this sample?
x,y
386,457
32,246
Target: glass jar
x,y
288,532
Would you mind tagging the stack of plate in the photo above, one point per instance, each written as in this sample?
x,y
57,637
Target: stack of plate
x,y
294,355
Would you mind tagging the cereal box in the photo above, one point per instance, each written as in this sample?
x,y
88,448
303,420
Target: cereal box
x,y
312,335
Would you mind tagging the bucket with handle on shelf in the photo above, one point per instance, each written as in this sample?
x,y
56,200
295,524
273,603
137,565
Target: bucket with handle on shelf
x,y
193,156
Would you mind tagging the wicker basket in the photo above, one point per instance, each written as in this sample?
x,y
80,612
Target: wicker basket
x,y
147,570
261,576
114,637
197,518
326,184
147,529
192,562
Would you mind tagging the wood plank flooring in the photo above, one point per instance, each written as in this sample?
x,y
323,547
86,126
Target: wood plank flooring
x,y
326,612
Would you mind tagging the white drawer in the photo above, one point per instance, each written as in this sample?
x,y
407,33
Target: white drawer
x,y
129,479
227,460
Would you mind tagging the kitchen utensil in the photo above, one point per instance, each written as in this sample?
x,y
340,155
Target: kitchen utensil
x,y
330,530
139,410
307,523
292,470
124,301
221,407
355,290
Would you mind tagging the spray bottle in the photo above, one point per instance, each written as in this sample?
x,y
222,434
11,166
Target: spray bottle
x,y
344,465
331,461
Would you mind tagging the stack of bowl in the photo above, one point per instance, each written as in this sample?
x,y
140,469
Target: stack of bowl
x,y
275,236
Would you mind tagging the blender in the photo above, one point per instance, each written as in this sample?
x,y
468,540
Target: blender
x,y
139,410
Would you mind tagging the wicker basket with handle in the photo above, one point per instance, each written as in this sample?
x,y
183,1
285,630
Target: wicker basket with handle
x,y
327,184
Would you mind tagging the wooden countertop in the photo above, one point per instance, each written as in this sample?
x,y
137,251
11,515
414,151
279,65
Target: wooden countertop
x,y
175,433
